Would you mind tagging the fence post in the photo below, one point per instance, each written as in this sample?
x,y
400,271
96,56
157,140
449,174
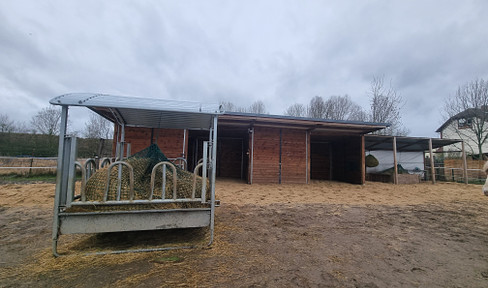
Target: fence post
x,y
30,170
465,164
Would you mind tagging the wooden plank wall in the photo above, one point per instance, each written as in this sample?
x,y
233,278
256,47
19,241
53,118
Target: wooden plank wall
x,y
170,141
266,158
353,160
293,156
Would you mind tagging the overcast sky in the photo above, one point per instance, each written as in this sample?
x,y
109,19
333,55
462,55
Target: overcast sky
x,y
280,52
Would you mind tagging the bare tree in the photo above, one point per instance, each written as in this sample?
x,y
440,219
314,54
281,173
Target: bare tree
x,y
257,107
296,110
316,108
47,120
227,106
230,107
336,108
386,104
22,127
6,125
357,113
98,128
343,108
469,108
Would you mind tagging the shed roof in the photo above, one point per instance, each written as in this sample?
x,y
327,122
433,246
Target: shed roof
x,y
405,144
144,112
315,125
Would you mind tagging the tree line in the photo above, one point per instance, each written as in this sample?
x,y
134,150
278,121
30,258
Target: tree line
x,y
47,122
468,105
385,107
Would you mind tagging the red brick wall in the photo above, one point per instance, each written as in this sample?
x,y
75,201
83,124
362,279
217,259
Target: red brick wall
x,y
266,159
293,156
170,141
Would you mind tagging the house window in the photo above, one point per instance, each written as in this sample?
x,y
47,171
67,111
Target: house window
x,y
465,123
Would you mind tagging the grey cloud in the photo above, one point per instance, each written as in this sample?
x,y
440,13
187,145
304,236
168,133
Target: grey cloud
x,y
281,52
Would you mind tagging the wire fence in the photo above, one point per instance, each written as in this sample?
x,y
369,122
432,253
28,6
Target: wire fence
x,y
454,174
31,166
28,166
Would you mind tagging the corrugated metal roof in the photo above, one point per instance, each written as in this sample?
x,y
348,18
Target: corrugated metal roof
x,y
285,117
405,144
144,112
318,126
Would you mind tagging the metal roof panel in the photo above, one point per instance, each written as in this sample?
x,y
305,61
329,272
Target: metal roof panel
x,y
144,112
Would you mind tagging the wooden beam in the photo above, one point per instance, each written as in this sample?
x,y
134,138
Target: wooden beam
x,y
465,164
251,168
307,156
363,162
432,168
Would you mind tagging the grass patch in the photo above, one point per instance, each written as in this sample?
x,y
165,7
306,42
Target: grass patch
x,y
16,178
161,260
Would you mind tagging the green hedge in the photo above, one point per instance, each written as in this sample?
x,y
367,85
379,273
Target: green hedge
x,y
37,145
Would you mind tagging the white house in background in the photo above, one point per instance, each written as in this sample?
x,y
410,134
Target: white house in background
x,y
460,126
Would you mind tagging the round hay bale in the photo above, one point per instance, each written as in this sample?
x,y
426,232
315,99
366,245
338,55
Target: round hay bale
x,y
143,163
371,161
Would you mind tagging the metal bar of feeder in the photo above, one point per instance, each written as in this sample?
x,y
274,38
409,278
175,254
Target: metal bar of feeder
x,y
195,173
83,181
141,201
163,188
119,180
204,170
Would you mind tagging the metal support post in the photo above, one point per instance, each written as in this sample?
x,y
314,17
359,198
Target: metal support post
x,y
59,177
70,156
204,171
395,163
212,180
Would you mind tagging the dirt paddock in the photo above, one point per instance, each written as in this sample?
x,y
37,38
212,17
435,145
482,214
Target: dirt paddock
x,y
324,234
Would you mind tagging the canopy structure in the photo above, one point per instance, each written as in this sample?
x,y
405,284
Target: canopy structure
x,y
139,113
144,112
411,144
318,126
405,144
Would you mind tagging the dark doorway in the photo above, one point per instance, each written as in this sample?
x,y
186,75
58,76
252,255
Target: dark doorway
x,y
232,154
230,157
320,161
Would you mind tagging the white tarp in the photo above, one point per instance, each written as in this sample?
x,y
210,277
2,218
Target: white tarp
x,y
412,161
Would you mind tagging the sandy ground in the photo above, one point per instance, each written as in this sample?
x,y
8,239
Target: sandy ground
x,y
324,234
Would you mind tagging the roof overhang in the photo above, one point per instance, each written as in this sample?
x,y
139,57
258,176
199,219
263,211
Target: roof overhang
x,y
405,144
316,126
144,112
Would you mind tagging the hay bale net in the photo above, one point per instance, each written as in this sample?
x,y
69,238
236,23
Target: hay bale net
x,y
371,161
143,163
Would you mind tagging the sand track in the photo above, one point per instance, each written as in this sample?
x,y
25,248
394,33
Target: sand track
x,y
324,234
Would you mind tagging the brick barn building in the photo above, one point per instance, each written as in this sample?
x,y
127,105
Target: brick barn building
x,y
258,148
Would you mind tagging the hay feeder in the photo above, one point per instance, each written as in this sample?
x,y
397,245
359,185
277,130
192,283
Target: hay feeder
x,y
162,196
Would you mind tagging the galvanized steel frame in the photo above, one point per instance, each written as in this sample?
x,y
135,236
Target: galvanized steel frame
x,y
68,223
